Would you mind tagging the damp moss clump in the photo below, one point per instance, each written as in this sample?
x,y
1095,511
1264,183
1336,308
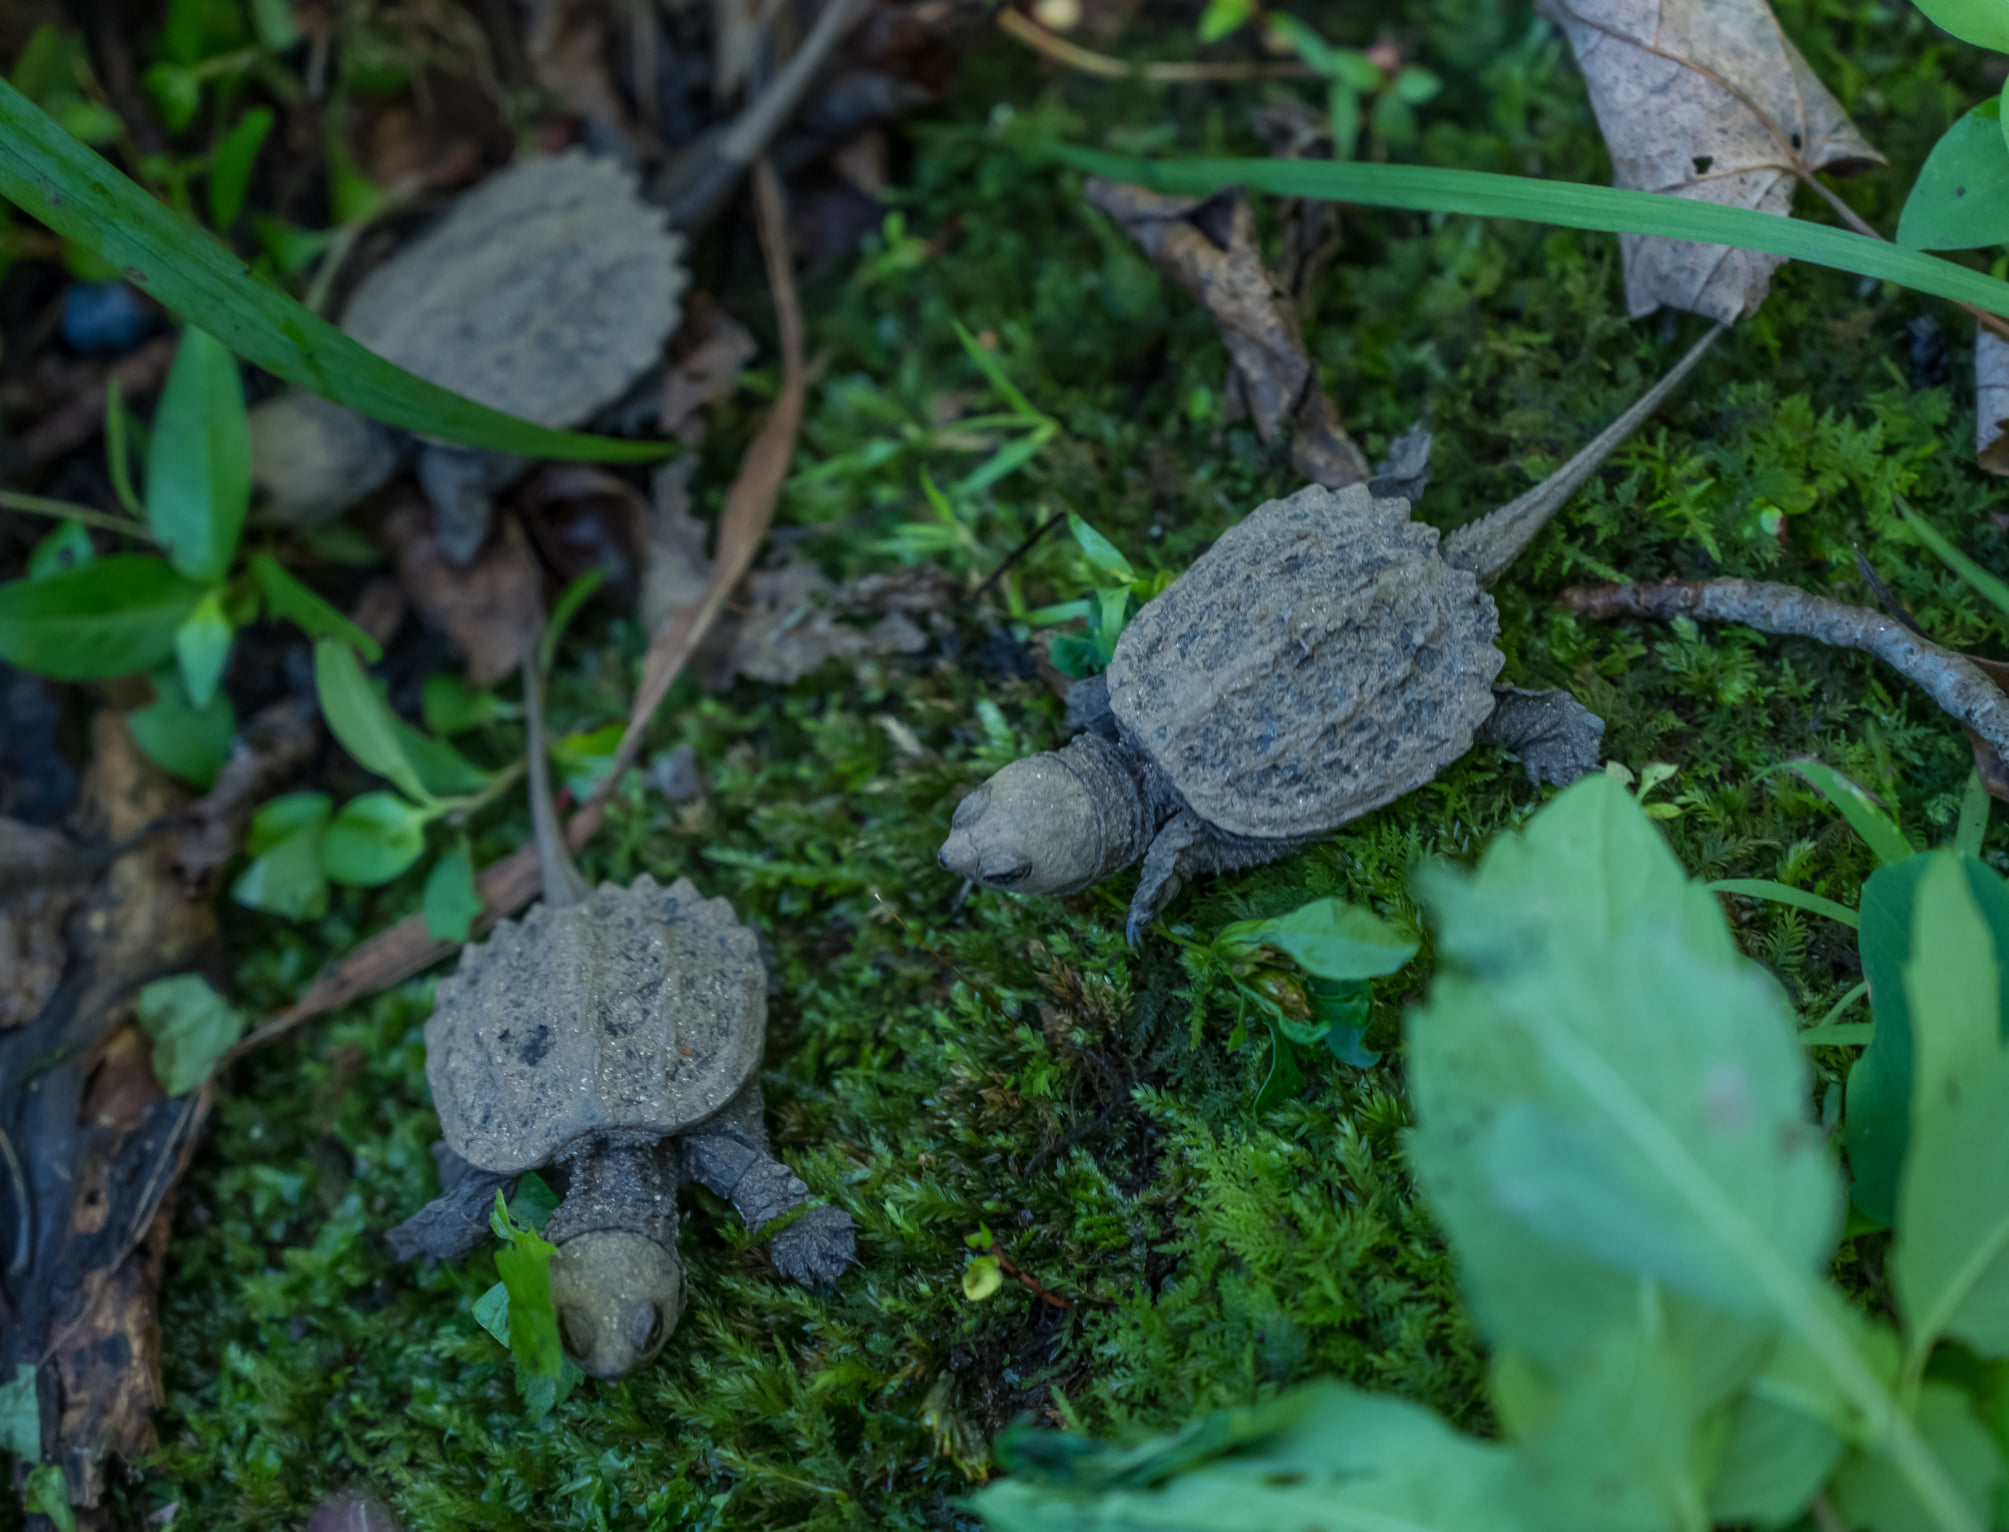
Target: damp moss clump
x,y
941,1065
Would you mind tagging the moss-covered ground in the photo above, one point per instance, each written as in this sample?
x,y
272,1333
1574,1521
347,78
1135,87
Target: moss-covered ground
x,y
938,1064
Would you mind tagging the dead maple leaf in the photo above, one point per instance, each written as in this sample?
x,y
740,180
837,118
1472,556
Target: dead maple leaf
x,y
1208,246
1705,99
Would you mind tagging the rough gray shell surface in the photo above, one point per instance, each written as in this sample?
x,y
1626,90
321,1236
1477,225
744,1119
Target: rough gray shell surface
x,y
1318,661
639,1009
544,292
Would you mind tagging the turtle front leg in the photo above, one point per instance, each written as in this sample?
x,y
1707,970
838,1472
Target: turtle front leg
x,y
449,1227
1556,736
1186,848
731,1158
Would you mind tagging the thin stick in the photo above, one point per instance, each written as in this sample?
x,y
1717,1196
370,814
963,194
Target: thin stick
x,y
508,885
1017,24
1952,680
40,505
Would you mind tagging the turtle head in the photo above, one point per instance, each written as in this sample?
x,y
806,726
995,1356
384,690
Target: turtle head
x,y
1052,823
618,1295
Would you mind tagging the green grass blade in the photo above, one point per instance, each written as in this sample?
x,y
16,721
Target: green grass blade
x,y
54,178
1988,585
1431,189
1781,893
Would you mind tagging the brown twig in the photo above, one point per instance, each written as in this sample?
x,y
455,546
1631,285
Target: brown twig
x,y
508,885
1031,1283
1954,681
1016,24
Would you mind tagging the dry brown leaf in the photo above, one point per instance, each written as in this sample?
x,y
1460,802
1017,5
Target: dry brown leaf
x,y
1705,99
1208,246
710,352
33,953
1307,227
268,751
797,619
567,44
485,606
1991,400
584,518
508,885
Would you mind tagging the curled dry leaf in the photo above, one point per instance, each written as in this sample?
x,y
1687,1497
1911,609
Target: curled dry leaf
x,y
1705,99
84,1254
485,606
797,619
711,351
1208,246
1991,400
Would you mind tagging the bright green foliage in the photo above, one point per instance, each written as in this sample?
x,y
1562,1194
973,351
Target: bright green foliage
x,y
192,1027
1985,23
450,902
373,838
182,739
198,483
1961,200
48,1492
287,597
68,547
107,618
359,718
285,876
450,707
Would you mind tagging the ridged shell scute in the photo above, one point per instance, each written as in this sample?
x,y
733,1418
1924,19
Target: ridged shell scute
x,y
1318,661
639,1009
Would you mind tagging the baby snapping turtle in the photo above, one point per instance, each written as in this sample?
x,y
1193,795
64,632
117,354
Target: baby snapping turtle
x,y
544,292
1323,658
615,1035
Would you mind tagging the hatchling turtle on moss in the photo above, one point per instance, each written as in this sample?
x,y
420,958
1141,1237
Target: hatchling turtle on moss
x,y
1324,657
545,292
614,1038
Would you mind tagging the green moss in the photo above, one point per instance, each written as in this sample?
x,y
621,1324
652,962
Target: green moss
x,y
937,1063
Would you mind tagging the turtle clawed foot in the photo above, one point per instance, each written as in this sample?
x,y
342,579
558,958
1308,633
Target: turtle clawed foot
x,y
1557,738
815,1249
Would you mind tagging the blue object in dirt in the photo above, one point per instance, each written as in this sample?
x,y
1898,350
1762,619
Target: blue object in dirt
x,y
104,318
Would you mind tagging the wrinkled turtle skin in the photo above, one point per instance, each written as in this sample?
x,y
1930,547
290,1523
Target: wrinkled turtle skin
x,y
615,1041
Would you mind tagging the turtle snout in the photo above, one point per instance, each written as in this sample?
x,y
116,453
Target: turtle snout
x,y
963,853
619,1296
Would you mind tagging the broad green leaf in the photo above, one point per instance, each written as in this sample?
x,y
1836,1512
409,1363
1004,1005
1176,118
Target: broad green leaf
x,y
21,1415
442,770
563,610
66,548
1951,1265
1952,988
184,740
110,618
48,1491
1431,189
450,707
1879,1101
286,597
230,170
198,483
540,1394
1994,588
359,718
1976,804
450,902
202,647
1870,1492
1960,200
373,839
1100,550
1865,815
1321,1456
1782,893
52,177
1984,23
192,1027
1783,1438
1327,937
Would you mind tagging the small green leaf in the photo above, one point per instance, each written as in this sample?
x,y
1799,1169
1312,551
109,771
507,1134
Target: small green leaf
x,y
285,876
1782,893
290,248
450,707
359,718
373,839
1327,937
199,478
192,1027
1100,550
184,740
66,548
286,597
202,647
1960,200
994,373
230,170
1285,1078
1865,815
491,1312
1222,17
272,20
110,618
123,437
585,759
563,610
21,1415
525,1269
1984,23
982,1278
49,1492
443,770
1995,589
534,1202
176,93
450,903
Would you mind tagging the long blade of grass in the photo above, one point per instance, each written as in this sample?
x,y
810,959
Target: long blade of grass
x,y
1783,893
1432,189
56,179
1991,586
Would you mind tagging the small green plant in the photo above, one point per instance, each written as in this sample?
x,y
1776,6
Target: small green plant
x,y
1106,611
1614,1130
518,1310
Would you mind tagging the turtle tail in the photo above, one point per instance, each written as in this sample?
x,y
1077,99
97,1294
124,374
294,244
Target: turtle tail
x,y
562,881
